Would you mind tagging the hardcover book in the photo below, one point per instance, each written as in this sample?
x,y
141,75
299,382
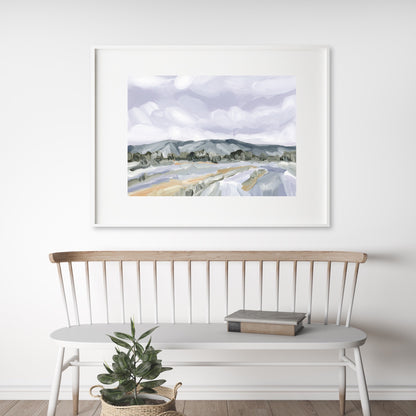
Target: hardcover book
x,y
265,322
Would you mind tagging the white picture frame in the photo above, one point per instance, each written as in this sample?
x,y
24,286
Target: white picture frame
x,y
112,207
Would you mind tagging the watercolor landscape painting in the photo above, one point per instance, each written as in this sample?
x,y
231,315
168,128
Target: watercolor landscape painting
x,y
211,136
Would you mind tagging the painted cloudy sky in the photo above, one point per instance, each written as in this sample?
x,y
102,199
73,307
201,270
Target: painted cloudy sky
x,y
256,109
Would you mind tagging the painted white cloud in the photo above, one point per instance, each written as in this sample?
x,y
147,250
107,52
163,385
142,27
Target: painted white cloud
x,y
265,117
179,116
213,86
149,107
183,82
194,105
141,115
184,125
274,86
143,133
213,107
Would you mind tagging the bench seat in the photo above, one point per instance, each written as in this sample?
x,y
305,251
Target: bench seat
x,y
215,337
183,285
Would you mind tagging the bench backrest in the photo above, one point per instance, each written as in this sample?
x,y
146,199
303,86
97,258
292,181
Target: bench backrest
x,y
196,286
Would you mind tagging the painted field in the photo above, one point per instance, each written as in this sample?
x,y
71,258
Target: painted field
x,y
196,178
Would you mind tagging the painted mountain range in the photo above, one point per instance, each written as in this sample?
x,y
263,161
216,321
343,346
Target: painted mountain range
x,y
213,147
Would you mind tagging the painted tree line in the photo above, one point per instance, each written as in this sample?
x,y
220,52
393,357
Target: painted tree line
x,y
149,158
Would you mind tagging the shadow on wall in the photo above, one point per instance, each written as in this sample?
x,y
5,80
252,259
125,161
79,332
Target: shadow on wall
x,y
402,256
388,327
389,349
385,257
380,334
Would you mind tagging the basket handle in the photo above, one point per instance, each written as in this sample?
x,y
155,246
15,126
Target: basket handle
x,y
176,388
96,396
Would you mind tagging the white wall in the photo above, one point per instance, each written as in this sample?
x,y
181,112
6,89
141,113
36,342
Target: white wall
x,y
46,156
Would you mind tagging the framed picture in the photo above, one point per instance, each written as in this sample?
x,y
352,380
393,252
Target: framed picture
x,y
211,136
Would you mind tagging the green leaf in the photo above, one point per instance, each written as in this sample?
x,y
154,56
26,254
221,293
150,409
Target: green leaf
x,y
124,362
116,367
127,385
139,348
132,327
123,336
119,342
110,371
148,345
107,378
151,375
147,390
151,357
112,395
120,372
142,369
165,369
152,384
154,359
147,333
154,372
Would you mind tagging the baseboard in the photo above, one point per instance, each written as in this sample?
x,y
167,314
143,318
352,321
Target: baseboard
x,y
231,393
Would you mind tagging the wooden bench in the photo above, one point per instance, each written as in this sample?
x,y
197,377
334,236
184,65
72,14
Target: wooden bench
x,y
320,283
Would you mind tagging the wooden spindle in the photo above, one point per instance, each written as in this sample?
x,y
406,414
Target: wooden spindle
x,y
74,295
328,284
190,290
61,285
244,283
105,289
155,290
354,285
277,283
139,290
208,292
87,282
311,267
121,276
295,276
341,299
261,283
226,287
172,285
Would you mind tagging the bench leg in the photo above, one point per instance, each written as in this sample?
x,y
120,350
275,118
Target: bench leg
x,y
53,398
342,384
75,385
362,384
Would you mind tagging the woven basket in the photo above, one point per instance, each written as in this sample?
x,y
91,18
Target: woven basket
x,y
171,413
108,409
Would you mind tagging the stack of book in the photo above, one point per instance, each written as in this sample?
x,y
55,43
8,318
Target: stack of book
x,y
265,322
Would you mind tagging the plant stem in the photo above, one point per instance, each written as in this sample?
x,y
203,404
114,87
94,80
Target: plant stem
x,y
135,365
135,390
138,384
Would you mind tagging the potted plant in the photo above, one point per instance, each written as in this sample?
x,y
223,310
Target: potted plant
x,y
136,370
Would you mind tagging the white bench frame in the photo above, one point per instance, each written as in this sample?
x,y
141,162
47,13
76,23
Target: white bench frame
x,y
182,336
